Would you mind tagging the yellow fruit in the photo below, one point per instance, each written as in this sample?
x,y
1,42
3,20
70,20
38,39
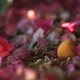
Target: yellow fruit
x,y
66,49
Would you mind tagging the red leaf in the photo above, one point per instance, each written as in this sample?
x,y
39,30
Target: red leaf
x,y
45,24
10,47
4,54
5,48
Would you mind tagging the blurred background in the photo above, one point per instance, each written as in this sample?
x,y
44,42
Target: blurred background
x,y
60,11
35,28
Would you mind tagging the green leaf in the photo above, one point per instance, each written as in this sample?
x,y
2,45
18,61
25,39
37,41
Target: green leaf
x,y
33,65
4,6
